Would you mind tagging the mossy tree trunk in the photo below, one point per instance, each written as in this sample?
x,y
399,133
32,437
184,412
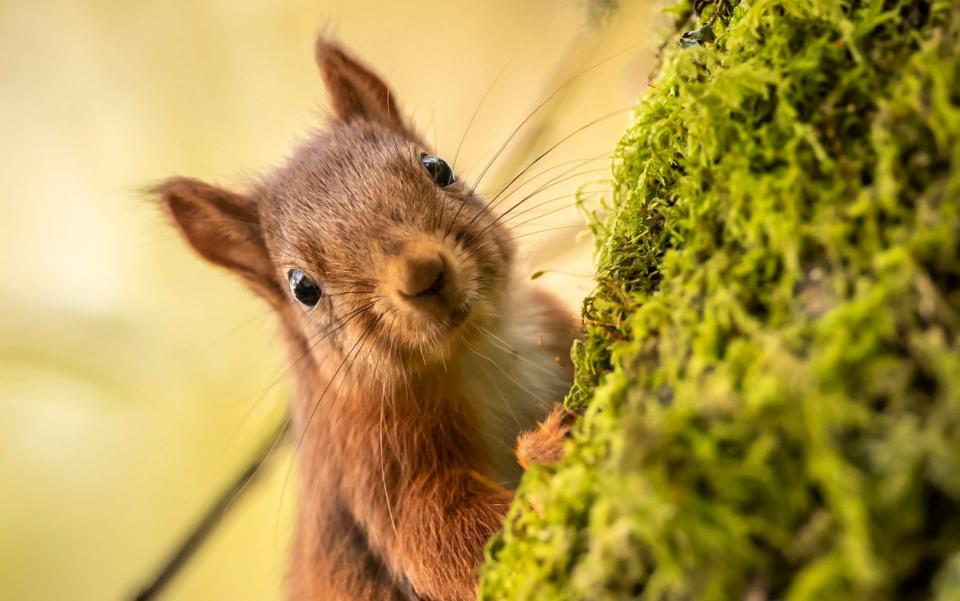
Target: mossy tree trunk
x,y
771,369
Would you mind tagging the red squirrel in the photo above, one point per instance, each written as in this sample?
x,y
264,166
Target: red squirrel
x,y
418,351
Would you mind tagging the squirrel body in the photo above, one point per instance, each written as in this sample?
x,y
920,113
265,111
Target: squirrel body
x,y
418,351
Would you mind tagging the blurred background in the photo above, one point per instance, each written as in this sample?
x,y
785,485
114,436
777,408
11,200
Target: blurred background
x,y
136,381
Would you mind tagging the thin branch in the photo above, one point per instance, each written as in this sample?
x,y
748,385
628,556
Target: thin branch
x,y
207,523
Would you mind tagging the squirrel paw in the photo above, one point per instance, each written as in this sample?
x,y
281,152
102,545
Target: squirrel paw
x,y
543,445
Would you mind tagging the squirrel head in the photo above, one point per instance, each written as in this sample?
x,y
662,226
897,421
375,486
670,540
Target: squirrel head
x,y
364,241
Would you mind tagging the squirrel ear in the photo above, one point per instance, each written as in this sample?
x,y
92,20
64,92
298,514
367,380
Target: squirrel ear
x,y
224,228
356,91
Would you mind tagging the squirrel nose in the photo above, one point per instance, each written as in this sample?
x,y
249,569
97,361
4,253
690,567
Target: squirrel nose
x,y
421,274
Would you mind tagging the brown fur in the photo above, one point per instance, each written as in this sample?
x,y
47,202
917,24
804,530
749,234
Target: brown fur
x,y
396,496
543,445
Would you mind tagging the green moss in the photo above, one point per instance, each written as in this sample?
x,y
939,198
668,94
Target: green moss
x,y
771,368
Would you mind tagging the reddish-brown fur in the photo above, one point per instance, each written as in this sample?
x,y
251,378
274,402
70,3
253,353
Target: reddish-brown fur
x,y
543,445
396,489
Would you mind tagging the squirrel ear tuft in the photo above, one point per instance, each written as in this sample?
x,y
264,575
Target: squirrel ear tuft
x,y
356,92
224,228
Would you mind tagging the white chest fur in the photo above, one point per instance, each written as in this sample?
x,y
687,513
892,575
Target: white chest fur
x,y
511,377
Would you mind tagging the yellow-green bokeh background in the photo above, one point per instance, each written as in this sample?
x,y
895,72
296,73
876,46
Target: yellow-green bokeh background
x,y
134,380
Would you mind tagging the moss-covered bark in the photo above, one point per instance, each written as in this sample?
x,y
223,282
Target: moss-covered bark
x,y
771,371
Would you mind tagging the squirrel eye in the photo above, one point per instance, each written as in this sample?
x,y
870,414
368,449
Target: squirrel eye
x,y
438,169
304,289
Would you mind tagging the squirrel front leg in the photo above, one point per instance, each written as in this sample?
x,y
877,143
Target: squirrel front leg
x,y
444,520
447,521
